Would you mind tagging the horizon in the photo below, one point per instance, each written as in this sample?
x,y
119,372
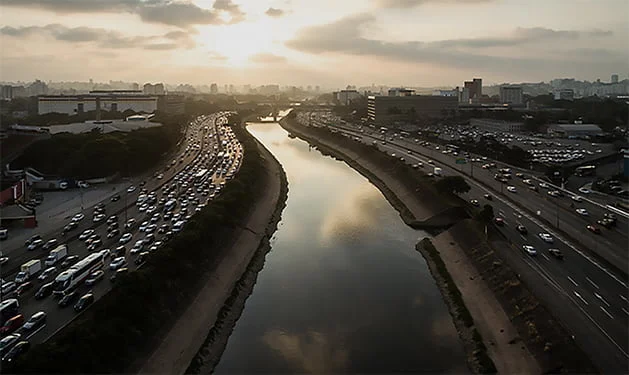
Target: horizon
x,y
433,44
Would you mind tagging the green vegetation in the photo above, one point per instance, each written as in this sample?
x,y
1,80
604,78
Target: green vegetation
x,y
127,322
486,365
92,155
452,185
486,214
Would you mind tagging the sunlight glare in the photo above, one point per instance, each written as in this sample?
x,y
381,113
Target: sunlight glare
x,y
237,42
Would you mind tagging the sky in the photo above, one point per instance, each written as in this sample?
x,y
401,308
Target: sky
x,y
331,43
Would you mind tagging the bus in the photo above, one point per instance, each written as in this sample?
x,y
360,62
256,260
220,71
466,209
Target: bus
x,y
586,170
72,277
200,175
8,309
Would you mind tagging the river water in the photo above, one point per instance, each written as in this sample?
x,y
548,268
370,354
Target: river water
x,y
343,289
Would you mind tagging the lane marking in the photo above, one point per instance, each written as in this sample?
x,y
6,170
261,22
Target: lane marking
x,y
581,298
572,281
624,298
626,312
602,299
547,258
592,282
606,312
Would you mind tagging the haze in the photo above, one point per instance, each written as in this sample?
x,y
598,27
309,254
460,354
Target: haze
x,y
324,42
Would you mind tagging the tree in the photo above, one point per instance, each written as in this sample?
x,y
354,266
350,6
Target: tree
x,y
453,185
486,214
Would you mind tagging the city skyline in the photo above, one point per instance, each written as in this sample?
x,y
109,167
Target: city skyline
x,y
434,43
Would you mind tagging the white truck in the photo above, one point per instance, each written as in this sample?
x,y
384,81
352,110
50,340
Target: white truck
x,y
28,270
437,172
56,255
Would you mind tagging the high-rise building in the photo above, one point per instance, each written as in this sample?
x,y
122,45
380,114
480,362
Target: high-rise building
x,y
511,95
475,88
388,109
345,97
213,89
614,78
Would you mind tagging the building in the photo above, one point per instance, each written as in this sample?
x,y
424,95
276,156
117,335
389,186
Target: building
x,y
614,78
6,92
156,89
110,100
386,109
345,97
474,88
400,91
172,104
213,89
511,95
564,94
454,93
574,130
497,125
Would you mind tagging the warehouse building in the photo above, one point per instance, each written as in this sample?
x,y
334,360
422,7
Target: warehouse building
x,y
385,109
574,130
497,125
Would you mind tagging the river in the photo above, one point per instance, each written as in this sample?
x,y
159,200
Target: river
x,y
343,289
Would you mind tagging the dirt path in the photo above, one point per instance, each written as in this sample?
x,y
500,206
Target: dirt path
x,y
509,354
187,335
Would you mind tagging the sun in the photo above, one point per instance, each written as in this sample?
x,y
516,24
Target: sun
x,y
237,42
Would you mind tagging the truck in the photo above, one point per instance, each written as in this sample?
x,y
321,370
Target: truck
x,y
437,171
28,270
56,255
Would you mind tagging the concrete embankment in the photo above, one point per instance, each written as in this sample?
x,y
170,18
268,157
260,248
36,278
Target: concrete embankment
x,y
219,303
499,321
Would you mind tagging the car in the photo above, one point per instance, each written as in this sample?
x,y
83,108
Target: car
x,y
83,184
431,162
24,288
12,324
556,253
125,238
98,218
163,229
34,323
8,288
582,212
141,258
610,216
16,351
78,217
71,226
44,291
112,226
86,234
488,197
68,298
530,250
118,273
512,189
131,189
9,342
50,244
150,228
143,226
593,229
499,221
544,185
106,253
522,229
94,277
120,251
584,190
95,245
546,237
606,223
117,263
35,244
115,198
137,248
69,260
577,198
474,203
32,239
48,272
553,193
84,302
112,219
113,233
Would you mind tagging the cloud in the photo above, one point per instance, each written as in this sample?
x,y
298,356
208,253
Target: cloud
x,y
102,37
274,12
415,3
169,12
213,55
266,58
344,36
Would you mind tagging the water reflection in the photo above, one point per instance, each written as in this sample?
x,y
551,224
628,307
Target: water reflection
x,y
343,289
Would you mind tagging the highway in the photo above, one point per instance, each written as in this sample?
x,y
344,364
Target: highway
x,y
204,155
590,299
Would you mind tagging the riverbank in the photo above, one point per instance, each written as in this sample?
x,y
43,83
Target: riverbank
x,y
219,303
416,202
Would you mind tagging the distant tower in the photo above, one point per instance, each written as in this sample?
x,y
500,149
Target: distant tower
x,y
614,78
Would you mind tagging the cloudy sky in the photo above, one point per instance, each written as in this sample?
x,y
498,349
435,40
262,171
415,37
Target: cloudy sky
x,y
314,42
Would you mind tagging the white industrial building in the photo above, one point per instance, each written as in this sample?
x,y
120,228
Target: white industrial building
x,y
497,125
113,100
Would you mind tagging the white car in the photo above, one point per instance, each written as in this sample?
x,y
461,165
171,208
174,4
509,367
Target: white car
x,y
577,198
137,248
582,212
78,217
46,274
530,250
512,189
546,237
131,189
83,184
584,190
86,234
143,226
117,263
125,238
98,218
543,185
